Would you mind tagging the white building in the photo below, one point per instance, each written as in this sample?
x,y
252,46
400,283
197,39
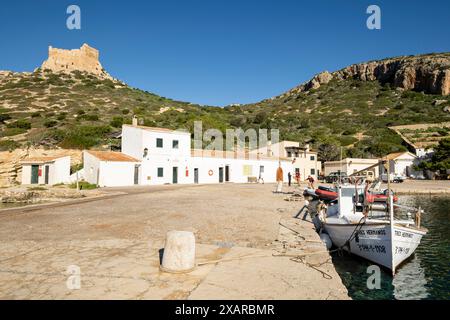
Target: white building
x,y
46,170
402,163
110,169
304,160
350,166
155,156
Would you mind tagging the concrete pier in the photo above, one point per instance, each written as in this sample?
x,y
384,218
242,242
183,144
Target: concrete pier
x,y
248,247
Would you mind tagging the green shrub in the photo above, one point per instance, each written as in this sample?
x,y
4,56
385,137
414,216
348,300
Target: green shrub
x,y
347,140
84,137
21,123
125,111
8,145
83,185
75,168
4,117
36,115
116,122
9,132
50,123
62,116
90,117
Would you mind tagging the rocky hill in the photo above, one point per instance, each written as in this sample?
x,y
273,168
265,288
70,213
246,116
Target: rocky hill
x,y
425,73
72,103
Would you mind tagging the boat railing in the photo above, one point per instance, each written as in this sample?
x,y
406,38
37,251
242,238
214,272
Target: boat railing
x,y
406,213
411,210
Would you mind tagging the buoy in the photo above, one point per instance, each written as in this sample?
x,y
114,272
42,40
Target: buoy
x,y
326,240
179,252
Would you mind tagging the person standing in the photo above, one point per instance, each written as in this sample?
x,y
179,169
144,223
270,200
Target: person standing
x,y
289,178
279,178
310,182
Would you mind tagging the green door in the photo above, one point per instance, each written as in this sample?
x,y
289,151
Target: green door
x,y
34,174
175,175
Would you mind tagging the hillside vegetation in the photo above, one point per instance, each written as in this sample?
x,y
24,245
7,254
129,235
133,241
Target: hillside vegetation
x,y
78,110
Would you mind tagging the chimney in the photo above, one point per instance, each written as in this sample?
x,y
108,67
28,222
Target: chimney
x,y
135,121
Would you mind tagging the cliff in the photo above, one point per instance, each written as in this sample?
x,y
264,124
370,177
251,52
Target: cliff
x,y
424,73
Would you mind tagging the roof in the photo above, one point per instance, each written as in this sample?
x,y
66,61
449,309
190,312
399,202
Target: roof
x,y
157,129
45,159
112,156
243,155
353,160
393,156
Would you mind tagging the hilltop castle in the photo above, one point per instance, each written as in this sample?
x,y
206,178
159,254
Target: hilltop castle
x,y
84,59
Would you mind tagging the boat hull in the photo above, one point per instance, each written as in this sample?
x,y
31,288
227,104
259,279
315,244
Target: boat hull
x,y
375,242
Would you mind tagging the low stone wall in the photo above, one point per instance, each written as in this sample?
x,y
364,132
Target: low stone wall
x,y
39,194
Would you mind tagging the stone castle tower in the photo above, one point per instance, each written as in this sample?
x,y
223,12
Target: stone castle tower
x,y
84,59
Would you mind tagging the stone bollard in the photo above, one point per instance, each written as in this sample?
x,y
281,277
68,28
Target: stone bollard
x,y
179,252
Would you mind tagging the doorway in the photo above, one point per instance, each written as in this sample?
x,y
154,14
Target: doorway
x,y
196,175
136,174
46,174
227,173
221,175
34,174
175,175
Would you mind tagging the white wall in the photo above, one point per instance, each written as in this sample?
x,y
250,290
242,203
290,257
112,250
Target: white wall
x,y
59,172
108,173
350,166
26,174
116,174
91,167
404,161
136,139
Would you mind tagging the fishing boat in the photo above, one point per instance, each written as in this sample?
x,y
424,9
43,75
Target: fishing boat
x,y
370,230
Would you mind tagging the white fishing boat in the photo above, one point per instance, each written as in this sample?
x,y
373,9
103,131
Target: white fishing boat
x,y
371,231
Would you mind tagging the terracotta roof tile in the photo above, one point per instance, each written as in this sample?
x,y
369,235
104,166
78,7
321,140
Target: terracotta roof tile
x,y
112,156
43,159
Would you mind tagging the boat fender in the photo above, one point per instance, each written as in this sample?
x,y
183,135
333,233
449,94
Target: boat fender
x,y
326,240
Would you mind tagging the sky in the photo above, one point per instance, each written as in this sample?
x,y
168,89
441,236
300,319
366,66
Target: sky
x,y
220,52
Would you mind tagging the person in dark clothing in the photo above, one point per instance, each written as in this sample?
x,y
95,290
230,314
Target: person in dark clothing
x,y
289,179
310,182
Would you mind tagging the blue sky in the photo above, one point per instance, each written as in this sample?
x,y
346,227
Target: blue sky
x,y
218,52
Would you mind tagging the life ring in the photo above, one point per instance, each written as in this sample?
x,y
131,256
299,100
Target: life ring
x,y
210,172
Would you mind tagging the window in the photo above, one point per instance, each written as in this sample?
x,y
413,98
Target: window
x,y
312,158
175,144
145,152
289,154
247,170
159,142
160,172
313,171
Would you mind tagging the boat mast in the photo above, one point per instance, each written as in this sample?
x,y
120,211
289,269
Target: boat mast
x,y
391,214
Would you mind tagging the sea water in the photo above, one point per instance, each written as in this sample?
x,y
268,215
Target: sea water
x,y
426,275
